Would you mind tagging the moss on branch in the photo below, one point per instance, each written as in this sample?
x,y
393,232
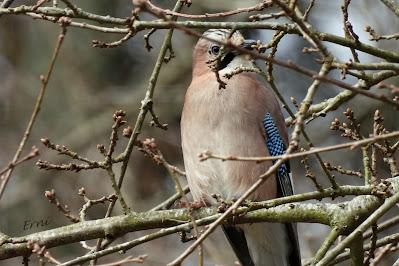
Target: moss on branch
x,y
157,24
346,215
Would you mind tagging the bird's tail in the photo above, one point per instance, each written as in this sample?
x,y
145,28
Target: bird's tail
x,y
236,237
270,244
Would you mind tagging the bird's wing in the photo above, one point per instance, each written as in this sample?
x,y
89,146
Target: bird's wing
x,y
276,146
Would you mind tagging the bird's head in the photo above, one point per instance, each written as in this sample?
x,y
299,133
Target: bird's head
x,y
209,53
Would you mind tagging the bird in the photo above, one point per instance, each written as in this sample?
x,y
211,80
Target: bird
x,y
236,116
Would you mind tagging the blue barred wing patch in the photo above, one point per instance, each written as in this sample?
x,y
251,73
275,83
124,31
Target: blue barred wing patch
x,y
276,146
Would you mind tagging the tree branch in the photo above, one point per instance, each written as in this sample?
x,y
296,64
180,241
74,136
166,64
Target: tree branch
x,y
341,214
392,5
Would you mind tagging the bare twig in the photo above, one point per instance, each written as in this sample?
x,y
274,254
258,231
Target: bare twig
x,y
376,37
309,173
382,251
130,259
308,9
343,171
351,145
100,44
89,202
146,4
44,81
147,39
51,196
33,153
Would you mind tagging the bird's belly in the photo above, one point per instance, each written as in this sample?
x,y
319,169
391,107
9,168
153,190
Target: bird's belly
x,y
228,179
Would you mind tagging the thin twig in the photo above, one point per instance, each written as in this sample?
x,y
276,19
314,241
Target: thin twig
x,y
327,243
44,81
33,153
166,204
259,7
51,196
130,259
351,145
308,9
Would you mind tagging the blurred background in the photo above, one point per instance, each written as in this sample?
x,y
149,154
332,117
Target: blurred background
x,y
89,84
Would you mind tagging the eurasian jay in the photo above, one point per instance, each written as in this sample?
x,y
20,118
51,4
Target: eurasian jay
x,y
243,119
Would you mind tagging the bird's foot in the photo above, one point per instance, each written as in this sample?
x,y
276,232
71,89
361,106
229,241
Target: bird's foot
x,y
186,238
191,205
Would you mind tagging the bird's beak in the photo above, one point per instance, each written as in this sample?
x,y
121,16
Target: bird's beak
x,y
248,44
230,54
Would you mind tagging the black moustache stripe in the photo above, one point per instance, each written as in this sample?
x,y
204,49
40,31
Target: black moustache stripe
x,y
226,60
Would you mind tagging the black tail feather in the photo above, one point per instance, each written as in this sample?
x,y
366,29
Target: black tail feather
x,y
239,244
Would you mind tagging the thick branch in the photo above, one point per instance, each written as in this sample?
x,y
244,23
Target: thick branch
x,y
392,5
346,214
376,214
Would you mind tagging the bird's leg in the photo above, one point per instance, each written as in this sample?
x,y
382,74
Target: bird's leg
x,y
185,238
190,206
197,205
224,204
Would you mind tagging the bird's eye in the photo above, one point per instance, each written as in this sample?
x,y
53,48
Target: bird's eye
x,y
215,49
